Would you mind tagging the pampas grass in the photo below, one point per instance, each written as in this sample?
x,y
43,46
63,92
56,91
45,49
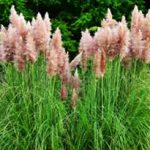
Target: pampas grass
x,y
98,101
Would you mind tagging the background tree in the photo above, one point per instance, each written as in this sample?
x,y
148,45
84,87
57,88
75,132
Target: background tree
x,y
72,16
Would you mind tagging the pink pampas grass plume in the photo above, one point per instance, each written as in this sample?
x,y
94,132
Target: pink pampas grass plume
x,y
146,26
31,51
124,38
2,50
137,20
87,47
41,34
75,80
76,85
137,45
96,64
57,58
64,92
2,54
10,38
76,61
52,62
104,37
99,63
64,68
146,51
54,55
56,41
47,22
87,44
20,54
109,21
14,17
18,22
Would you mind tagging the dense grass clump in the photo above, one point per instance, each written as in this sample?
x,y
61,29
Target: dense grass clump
x,y
111,113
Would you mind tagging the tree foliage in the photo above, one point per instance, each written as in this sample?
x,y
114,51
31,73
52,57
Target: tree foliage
x,y
72,16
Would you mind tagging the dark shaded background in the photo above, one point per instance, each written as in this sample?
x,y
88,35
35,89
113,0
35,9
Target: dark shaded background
x,y
72,16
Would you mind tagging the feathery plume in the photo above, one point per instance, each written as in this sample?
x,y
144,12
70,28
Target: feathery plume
x,y
56,41
18,22
137,45
40,34
146,51
14,17
52,62
10,37
31,52
47,22
76,61
20,54
76,85
99,63
87,47
64,92
137,20
109,21
124,38
75,80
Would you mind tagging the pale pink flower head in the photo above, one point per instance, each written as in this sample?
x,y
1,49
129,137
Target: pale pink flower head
x,y
2,51
41,34
146,26
31,51
64,68
75,80
56,55
47,22
146,51
87,44
22,26
87,47
14,17
18,22
109,21
136,20
99,63
64,92
123,38
76,61
10,38
52,62
56,41
76,85
20,58
137,45
104,38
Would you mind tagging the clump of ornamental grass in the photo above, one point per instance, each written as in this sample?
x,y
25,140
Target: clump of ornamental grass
x,y
99,100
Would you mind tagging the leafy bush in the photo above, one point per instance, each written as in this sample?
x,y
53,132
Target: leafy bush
x,y
21,6
72,16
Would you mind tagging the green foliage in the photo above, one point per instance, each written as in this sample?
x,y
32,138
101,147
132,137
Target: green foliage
x,y
5,6
72,16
